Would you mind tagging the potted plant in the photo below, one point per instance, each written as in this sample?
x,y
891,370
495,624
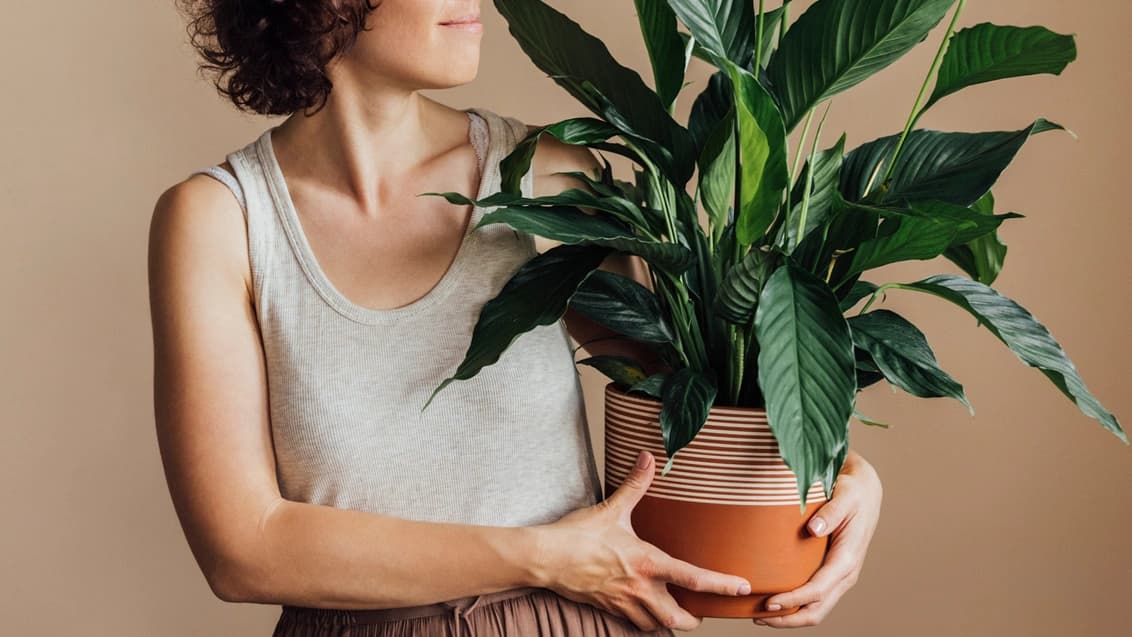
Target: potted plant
x,y
755,261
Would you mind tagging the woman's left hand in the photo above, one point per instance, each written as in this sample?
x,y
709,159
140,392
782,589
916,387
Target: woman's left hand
x,y
850,516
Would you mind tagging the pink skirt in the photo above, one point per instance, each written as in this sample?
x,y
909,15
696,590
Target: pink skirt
x,y
525,612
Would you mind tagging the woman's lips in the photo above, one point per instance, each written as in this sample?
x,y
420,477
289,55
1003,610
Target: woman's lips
x,y
465,23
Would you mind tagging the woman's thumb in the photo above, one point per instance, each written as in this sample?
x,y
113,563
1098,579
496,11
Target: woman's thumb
x,y
636,483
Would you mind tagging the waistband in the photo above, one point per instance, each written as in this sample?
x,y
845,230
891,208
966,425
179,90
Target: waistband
x,y
455,607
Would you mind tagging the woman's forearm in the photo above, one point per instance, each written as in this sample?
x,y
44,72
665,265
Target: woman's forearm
x,y
326,557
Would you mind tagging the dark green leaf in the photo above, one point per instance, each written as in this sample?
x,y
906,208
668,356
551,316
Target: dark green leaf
x,y
836,44
806,371
1024,335
573,58
902,353
860,290
619,369
953,167
580,131
738,294
983,257
569,225
827,170
725,28
537,294
667,50
987,52
651,386
686,398
622,305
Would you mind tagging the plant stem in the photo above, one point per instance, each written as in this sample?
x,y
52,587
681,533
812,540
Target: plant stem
x,y
759,41
915,114
808,188
782,20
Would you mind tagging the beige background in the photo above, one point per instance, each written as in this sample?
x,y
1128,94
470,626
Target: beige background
x,y
1014,522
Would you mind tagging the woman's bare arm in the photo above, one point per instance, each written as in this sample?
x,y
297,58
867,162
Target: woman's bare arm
x,y
210,403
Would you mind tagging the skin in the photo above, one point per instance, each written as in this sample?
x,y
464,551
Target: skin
x,y
354,171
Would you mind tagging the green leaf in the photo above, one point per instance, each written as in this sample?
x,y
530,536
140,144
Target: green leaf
x,y
1024,335
805,370
537,294
827,171
868,421
860,290
724,28
710,108
667,50
622,305
622,209
579,131
837,44
738,294
983,257
571,226
902,353
762,150
573,58
717,173
686,398
987,52
619,369
651,386
953,167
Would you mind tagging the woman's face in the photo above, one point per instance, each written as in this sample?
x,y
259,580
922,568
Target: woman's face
x,y
418,44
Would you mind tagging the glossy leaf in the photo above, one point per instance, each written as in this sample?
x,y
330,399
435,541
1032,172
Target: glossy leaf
x,y
805,370
537,294
686,398
983,257
572,58
827,170
901,352
667,50
837,44
622,305
954,167
738,294
987,52
571,226
579,131
724,28
619,369
1024,335
762,152
651,386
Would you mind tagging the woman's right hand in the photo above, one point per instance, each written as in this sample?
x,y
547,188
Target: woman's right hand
x,y
593,556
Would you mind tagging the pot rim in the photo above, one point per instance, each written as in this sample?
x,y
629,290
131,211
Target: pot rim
x,y
718,410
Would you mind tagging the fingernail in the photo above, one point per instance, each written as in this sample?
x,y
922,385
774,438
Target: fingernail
x,y
642,460
745,588
773,607
760,622
817,525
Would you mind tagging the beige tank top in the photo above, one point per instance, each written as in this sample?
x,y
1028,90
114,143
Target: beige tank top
x,y
508,447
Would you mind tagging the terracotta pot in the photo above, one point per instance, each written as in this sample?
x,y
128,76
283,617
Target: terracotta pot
x,y
729,503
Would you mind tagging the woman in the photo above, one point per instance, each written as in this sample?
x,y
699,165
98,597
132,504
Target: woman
x,y
305,303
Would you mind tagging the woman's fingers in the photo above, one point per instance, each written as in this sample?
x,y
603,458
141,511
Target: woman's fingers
x,y
692,577
667,612
637,614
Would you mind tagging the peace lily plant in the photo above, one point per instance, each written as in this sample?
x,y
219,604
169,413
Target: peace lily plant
x,y
751,310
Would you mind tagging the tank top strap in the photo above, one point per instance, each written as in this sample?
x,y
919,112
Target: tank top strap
x,y
504,134
228,179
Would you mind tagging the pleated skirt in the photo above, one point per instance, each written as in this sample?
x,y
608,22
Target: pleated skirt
x,y
521,612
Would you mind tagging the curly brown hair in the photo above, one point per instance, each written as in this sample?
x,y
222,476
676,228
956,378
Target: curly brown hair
x,y
270,56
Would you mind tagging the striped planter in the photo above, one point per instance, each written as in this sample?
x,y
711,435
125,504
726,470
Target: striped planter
x,y
729,503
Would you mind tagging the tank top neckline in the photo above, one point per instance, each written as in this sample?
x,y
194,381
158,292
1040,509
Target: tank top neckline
x,y
485,146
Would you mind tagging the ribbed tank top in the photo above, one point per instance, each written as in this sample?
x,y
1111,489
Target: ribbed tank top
x,y
346,383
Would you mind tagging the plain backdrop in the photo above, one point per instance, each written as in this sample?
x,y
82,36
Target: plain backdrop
x,y
1011,522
